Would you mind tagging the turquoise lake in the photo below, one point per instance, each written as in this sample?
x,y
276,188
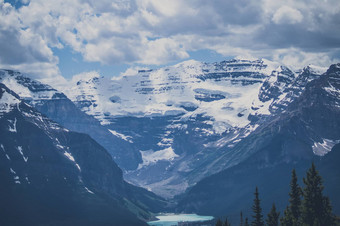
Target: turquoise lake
x,y
173,219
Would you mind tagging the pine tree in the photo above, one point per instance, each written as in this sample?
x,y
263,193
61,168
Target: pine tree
x,y
246,222
295,197
219,222
287,219
273,217
226,223
293,211
241,219
257,217
316,208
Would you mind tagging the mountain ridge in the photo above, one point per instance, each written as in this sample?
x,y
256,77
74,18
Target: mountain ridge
x,y
41,158
170,151
308,131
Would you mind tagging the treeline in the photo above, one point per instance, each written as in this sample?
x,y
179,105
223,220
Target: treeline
x,y
307,206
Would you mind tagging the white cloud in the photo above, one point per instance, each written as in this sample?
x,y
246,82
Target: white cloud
x,y
287,15
131,71
297,59
161,51
161,31
21,48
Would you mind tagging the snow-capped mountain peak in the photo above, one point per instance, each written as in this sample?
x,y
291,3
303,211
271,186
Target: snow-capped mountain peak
x,y
223,91
28,89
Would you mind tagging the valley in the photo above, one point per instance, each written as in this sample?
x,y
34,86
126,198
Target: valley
x,y
256,118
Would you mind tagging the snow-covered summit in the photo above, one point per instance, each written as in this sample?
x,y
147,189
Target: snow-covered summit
x,y
224,91
30,90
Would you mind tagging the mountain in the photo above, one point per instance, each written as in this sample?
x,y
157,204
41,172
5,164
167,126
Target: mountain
x,y
181,122
56,106
171,127
52,176
218,129
308,130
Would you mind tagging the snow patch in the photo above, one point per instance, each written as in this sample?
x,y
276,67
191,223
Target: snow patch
x,y
121,136
322,148
15,176
7,102
19,148
13,125
3,149
89,191
332,90
70,157
77,165
150,156
12,171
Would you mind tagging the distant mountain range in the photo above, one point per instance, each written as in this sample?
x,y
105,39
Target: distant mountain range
x,y
167,128
172,129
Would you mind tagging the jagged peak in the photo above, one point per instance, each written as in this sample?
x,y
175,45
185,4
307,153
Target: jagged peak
x,y
26,87
8,72
313,69
85,77
333,68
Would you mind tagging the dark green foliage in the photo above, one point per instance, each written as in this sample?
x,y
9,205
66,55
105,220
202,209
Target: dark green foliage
x,y
246,222
219,222
257,217
316,208
226,222
241,219
295,197
293,211
337,220
273,217
287,219
313,210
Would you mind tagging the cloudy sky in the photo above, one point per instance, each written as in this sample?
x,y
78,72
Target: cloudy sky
x,y
50,38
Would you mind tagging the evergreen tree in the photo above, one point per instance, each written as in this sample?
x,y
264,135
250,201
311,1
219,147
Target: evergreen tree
x,y
257,217
295,197
226,223
241,219
293,211
287,219
273,217
316,208
246,222
219,222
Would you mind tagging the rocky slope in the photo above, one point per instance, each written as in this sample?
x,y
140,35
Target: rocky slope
x,y
50,175
59,108
308,130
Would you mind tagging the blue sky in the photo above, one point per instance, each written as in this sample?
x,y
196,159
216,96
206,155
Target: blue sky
x,y
71,63
63,38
